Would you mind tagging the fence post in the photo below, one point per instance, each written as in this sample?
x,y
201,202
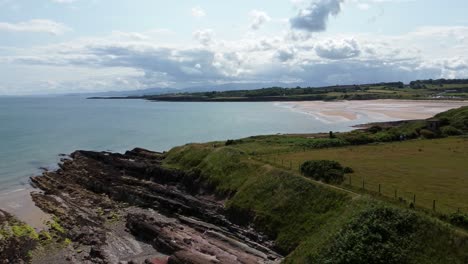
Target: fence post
x,y
434,205
379,188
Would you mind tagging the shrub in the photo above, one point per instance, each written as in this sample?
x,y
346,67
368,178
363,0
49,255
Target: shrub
x,y
456,117
357,138
459,219
328,171
375,129
348,170
426,133
317,143
379,235
385,136
450,131
229,142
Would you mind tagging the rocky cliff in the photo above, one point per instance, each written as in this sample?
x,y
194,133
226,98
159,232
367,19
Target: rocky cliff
x,y
111,208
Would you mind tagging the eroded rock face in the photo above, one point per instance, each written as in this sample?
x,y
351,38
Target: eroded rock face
x,y
127,208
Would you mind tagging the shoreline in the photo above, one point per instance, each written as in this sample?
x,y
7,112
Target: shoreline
x,y
17,199
383,110
19,203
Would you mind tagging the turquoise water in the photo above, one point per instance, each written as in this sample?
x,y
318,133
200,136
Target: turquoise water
x,y
34,131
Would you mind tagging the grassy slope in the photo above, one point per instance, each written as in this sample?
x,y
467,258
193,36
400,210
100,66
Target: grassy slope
x,y
275,198
307,219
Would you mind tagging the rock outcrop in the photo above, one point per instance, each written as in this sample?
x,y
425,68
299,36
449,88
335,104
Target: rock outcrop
x,y
16,239
127,208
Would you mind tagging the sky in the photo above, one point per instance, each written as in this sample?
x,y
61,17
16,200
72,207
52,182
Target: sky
x,y
64,46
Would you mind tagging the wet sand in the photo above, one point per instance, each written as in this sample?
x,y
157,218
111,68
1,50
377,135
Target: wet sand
x,y
19,203
377,110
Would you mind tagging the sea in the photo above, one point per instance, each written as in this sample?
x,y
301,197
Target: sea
x,y
36,131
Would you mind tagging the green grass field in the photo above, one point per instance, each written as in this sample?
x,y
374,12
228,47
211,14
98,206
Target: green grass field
x,y
430,169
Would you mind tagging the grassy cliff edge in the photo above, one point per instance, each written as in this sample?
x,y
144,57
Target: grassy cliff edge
x,y
315,223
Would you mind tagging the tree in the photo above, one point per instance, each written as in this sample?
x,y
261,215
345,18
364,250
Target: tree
x,y
328,171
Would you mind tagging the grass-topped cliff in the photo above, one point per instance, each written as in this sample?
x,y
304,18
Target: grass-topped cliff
x,y
312,222
315,223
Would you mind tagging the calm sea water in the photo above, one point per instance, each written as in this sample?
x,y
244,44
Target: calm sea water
x,y
34,131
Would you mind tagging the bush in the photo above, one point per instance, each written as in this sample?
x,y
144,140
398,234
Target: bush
x,y
459,219
379,235
357,138
375,129
317,143
450,131
328,171
233,142
426,133
385,136
348,170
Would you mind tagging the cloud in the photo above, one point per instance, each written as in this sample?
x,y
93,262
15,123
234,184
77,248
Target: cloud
x,y
204,36
198,12
35,26
314,18
456,64
285,54
142,61
258,19
338,49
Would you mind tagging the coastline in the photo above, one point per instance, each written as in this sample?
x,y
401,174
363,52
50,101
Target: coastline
x,y
17,199
383,110
161,209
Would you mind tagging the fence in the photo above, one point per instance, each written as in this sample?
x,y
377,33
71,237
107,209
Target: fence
x,y
359,185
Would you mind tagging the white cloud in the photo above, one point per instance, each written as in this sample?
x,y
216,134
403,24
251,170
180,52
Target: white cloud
x,y
258,19
314,17
204,36
198,12
35,26
336,49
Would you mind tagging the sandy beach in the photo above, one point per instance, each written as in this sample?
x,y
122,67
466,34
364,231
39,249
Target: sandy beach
x,y
19,203
378,110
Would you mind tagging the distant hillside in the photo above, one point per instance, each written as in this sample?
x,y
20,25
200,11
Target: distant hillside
x,y
247,92
193,89
455,89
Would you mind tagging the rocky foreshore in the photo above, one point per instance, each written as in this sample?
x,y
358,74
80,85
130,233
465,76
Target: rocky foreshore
x,y
127,208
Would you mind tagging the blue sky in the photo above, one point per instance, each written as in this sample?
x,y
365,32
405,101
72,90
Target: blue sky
x,y
61,46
